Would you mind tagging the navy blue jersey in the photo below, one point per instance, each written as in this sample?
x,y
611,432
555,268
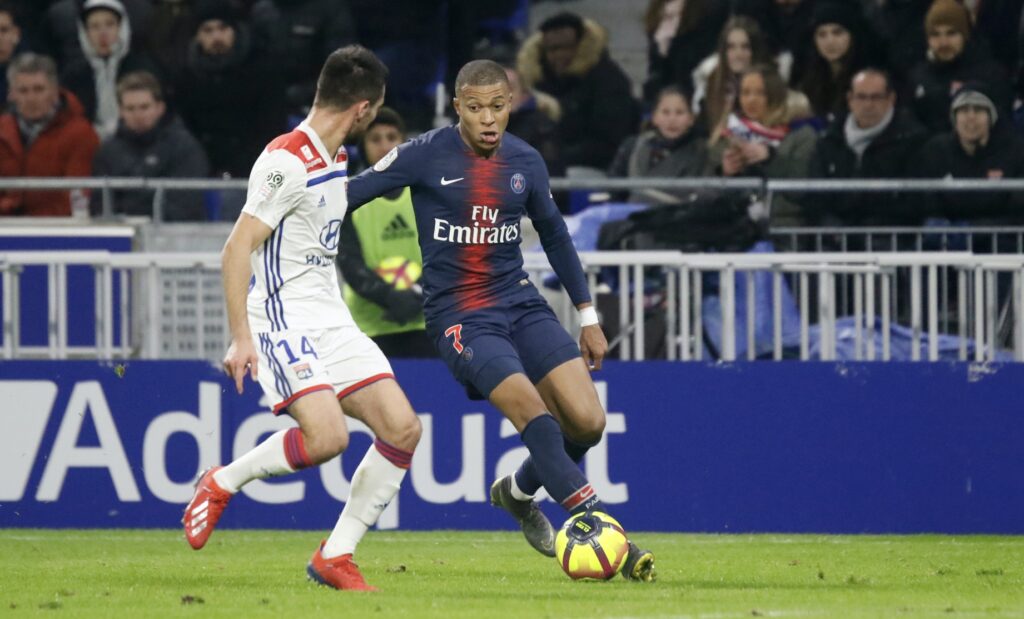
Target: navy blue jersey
x,y
468,210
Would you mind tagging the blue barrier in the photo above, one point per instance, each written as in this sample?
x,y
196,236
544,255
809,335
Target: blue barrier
x,y
784,447
81,287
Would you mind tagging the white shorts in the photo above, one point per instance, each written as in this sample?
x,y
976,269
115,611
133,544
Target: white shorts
x,y
296,362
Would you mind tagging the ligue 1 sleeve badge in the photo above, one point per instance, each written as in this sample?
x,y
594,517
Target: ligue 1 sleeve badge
x,y
518,182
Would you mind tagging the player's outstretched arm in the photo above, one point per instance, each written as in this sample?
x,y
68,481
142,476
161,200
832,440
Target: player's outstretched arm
x,y
593,345
236,271
399,168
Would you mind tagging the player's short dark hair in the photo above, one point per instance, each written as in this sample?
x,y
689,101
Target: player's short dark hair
x,y
140,81
350,75
389,118
480,73
564,20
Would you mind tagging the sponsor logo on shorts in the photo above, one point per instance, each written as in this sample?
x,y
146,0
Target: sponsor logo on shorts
x,y
303,371
467,354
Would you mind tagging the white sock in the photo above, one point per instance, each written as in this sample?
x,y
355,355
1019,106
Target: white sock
x,y
268,459
518,494
374,484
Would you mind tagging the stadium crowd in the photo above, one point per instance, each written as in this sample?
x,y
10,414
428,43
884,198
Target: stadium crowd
x,y
763,88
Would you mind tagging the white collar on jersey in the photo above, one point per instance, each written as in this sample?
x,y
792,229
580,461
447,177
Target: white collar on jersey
x,y
317,143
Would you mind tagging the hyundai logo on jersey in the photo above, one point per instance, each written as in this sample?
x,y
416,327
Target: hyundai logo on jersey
x,y
329,234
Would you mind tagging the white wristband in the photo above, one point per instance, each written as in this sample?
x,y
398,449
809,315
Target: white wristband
x,y
588,316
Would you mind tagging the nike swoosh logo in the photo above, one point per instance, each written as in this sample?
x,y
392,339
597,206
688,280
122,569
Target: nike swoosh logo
x,y
445,181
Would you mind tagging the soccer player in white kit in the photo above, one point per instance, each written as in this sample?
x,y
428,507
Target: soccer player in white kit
x,y
293,333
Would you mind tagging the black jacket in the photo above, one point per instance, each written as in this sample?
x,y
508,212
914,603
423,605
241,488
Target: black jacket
x,y
300,34
598,109
943,157
931,85
888,156
233,104
166,151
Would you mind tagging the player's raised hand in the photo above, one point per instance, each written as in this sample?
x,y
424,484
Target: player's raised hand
x,y
241,356
593,346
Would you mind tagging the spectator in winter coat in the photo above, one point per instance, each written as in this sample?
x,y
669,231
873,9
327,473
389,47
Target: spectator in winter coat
x,y
44,134
841,46
229,94
105,35
670,148
680,34
875,140
953,59
740,46
64,17
981,145
569,59
150,143
765,136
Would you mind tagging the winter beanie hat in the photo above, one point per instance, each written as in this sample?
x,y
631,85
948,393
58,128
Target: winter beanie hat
x,y
948,13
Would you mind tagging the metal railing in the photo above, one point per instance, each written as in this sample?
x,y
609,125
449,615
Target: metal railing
x,y
986,312
980,239
767,188
885,287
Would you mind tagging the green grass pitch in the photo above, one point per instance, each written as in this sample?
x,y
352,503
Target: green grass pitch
x,y
153,573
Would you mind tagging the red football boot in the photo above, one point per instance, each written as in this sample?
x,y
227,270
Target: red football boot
x,y
204,509
338,572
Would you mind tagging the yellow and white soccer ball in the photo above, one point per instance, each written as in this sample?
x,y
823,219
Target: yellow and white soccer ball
x,y
591,545
399,271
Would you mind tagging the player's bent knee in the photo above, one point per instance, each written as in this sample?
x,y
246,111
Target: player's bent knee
x,y
326,445
589,429
408,434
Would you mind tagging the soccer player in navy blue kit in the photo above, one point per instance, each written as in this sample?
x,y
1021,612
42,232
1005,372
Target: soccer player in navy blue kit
x,y
471,184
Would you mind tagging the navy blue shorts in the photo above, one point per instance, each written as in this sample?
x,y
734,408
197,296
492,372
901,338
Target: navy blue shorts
x,y
484,347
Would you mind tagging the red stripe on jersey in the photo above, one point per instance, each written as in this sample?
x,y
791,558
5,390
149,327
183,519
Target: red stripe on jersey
x,y
299,144
483,176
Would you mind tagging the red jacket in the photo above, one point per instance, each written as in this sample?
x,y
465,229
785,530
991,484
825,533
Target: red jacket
x,y
65,148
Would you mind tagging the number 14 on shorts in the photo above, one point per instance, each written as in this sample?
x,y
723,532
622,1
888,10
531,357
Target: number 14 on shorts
x,y
304,346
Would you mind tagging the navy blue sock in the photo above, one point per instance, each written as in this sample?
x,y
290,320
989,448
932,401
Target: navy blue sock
x,y
560,476
527,477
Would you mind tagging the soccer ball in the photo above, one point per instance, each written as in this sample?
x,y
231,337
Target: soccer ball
x,y
591,545
399,271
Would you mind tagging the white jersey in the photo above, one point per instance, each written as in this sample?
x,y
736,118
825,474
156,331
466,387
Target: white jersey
x,y
297,188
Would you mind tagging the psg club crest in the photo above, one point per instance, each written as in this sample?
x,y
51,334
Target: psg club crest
x,y
518,182
303,371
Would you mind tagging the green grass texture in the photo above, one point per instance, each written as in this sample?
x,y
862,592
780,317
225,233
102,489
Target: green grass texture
x,y
241,573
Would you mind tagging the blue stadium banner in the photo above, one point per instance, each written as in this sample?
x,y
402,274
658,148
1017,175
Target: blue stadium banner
x,y
781,447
